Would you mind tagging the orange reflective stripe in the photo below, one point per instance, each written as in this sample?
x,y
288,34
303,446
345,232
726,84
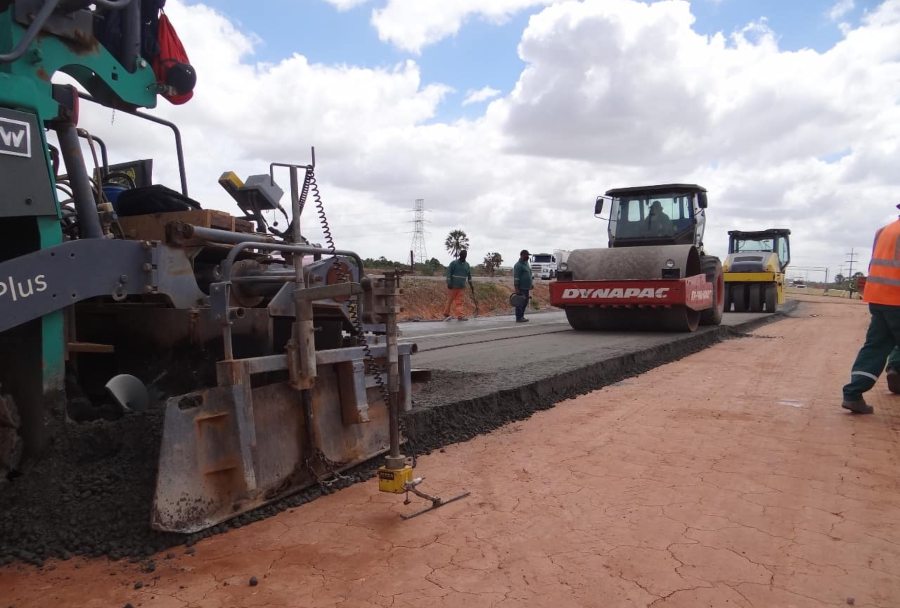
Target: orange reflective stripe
x,y
884,270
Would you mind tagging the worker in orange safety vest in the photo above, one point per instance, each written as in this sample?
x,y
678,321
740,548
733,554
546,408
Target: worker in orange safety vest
x,y
882,292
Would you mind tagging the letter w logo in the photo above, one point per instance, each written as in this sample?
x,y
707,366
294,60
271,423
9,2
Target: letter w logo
x,y
15,137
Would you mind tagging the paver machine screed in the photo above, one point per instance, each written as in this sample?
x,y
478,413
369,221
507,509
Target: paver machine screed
x,y
273,363
655,275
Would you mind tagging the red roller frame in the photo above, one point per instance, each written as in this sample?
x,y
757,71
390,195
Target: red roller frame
x,y
693,292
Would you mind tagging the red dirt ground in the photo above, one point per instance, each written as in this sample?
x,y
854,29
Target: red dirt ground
x,y
729,478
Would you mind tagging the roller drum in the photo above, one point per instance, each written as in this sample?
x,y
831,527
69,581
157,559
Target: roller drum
x,y
624,263
633,263
675,319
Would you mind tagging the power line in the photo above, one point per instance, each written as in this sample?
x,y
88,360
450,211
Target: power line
x,y
851,261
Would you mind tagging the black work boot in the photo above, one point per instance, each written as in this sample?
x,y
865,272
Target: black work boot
x,y
857,406
893,380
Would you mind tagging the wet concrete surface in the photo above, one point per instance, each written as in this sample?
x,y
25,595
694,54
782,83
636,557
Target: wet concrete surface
x,y
92,494
729,478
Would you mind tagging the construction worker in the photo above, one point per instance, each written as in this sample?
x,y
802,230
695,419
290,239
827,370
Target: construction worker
x,y
458,272
523,281
882,292
659,224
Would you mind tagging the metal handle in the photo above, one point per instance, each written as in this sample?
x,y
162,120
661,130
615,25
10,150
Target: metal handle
x,y
179,150
31,33
284,248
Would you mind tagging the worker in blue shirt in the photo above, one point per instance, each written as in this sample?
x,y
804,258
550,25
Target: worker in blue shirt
x,y
458,272
523,282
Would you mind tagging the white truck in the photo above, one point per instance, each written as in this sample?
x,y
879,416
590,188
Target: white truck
x,y
545,265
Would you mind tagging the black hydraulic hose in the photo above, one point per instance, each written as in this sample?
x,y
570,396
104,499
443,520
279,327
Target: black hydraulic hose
x,y
104,154
85,204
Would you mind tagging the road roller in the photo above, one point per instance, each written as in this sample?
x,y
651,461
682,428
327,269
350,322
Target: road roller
x,y
754,269
654,275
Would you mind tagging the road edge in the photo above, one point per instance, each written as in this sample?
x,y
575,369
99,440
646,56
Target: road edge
x,y
433,427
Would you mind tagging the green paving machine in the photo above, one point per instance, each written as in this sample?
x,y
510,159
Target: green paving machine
x,y
270,363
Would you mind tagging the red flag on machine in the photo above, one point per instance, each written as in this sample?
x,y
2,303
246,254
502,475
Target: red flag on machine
x,y
172,67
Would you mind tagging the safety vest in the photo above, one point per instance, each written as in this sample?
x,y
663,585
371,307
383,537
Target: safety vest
x,y
883,282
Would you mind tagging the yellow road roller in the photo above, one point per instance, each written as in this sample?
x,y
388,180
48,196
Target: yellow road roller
x,y
754,269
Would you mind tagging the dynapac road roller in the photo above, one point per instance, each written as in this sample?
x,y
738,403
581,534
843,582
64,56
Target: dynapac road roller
x,y
655,275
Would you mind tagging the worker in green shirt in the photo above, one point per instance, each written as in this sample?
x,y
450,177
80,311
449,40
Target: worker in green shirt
x,y
458,272
523,282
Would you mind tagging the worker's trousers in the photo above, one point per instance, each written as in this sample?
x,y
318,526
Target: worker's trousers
x,y
454,301
520,309
881,339
894,359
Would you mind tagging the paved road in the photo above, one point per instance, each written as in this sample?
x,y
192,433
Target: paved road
x,y
545,345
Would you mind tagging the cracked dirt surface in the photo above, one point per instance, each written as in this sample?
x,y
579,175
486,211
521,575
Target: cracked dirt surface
x,y
729,478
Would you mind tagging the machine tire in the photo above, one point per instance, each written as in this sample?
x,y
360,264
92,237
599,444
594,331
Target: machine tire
x,y
755,297
712,268
739,297
771,298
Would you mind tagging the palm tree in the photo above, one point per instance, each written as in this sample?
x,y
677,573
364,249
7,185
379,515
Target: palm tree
x,y
456,242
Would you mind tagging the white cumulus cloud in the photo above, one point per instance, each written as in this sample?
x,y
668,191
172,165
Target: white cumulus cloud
x,y
345,5
412,25
614,93
482,94
840,9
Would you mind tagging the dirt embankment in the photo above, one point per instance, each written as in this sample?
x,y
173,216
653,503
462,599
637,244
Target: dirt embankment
x,y
424,298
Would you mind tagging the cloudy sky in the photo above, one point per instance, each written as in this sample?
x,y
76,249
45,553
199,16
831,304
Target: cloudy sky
x,y
508,117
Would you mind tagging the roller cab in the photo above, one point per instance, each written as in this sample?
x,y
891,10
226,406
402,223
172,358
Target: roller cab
x,y
654,275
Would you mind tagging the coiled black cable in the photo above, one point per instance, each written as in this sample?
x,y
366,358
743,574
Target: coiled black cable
x,y
310,185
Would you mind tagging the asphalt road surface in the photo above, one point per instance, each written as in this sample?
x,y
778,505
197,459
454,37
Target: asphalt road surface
x,y
542,347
